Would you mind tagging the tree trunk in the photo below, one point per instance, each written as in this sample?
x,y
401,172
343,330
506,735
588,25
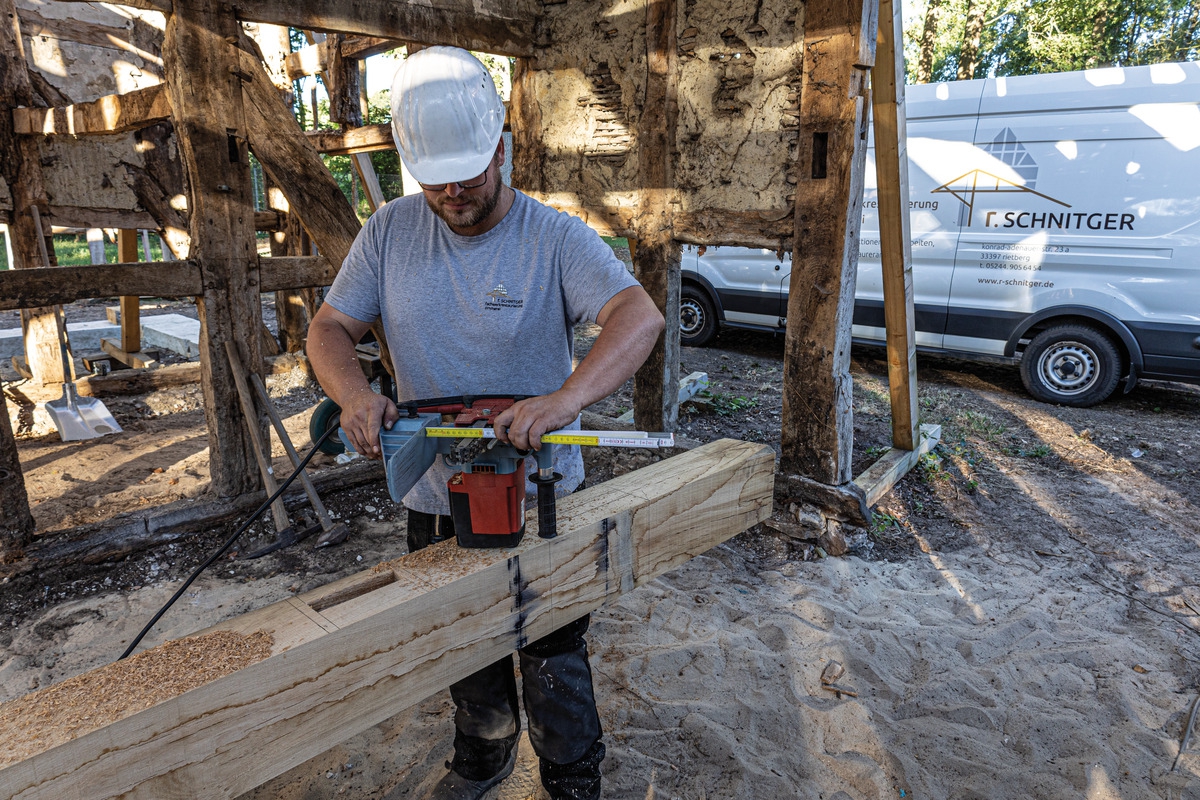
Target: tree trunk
x,y
928,37
968,59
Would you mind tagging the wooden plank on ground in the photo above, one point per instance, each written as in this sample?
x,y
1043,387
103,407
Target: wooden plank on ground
x,y
893,465
891,167
503,27
335,672
114,113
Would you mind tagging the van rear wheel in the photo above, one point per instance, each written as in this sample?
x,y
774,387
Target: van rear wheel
x,y
697,317
1072,365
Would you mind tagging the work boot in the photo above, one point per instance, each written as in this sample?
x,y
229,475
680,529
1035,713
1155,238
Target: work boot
x,y
473,771
579,780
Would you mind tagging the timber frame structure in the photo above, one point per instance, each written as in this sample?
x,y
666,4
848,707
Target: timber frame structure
x,y
703,122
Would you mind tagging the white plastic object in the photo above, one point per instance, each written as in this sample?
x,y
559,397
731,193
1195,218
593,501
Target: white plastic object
x,y
446,115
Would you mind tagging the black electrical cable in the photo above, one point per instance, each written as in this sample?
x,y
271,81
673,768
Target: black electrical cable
x,y
229,542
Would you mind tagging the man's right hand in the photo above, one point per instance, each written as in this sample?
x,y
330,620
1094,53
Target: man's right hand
x,y
331,339
362,417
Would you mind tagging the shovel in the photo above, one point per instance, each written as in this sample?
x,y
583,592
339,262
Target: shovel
x,y
75,417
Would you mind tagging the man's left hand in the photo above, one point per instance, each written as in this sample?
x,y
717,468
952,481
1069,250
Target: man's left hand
x,y
523,424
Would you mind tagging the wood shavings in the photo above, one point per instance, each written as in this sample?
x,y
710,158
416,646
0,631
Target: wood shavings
x,y
67,710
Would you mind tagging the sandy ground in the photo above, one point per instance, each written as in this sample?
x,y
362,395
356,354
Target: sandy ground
x,y
1021,621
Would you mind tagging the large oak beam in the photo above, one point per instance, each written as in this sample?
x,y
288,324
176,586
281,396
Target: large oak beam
x,y
351,654
503,27
817,427
114,113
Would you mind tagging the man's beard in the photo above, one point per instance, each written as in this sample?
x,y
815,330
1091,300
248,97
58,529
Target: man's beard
x,y
477,212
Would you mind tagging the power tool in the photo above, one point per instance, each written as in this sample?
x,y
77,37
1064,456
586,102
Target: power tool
x,y
487,489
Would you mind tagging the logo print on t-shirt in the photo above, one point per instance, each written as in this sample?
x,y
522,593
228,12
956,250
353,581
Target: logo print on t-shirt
x,y
498,299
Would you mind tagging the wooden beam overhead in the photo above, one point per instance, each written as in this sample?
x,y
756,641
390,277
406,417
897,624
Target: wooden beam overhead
x,y
335,661
314,59
353,140
114,113
505,28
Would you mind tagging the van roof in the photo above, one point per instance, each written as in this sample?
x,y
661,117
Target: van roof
x,y
1108,87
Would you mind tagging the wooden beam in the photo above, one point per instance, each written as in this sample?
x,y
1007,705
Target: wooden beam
x,y
114,113
891,167
314,59
294,166
880,477
387,639
656,255
366,139
503,27
817,425
60,285
16,523
204,76
90,33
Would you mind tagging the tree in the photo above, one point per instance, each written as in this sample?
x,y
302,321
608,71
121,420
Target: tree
x,y
959,39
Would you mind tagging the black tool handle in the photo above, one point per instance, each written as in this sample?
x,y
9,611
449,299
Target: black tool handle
x,y
547,510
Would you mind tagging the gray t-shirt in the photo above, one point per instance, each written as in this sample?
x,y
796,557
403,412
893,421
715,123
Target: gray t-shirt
x,y
488,314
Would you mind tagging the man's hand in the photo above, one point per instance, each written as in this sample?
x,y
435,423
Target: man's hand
x,y
331,339
363,416
523,424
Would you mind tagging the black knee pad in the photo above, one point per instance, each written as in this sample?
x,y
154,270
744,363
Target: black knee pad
x,y
567,638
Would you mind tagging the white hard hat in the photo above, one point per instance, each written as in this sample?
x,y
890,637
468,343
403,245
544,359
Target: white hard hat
x,y
446,115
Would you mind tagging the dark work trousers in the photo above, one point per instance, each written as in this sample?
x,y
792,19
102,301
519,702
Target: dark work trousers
x,y
564,726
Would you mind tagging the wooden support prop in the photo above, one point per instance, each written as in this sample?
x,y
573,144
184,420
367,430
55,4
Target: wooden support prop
x,y
386,639
893,465
503,27
134,359
131,304
817,426
114,113
262,450
205,76
656,256
891,167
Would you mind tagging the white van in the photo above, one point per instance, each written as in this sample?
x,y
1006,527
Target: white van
x,y
1055,220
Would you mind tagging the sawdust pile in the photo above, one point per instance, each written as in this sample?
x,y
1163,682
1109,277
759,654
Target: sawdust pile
x,y
59,713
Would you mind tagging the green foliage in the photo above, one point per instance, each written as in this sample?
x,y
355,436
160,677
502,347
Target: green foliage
x,y
1027,37
726,404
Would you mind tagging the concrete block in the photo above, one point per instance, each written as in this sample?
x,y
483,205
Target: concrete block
x,y
173,332
84,337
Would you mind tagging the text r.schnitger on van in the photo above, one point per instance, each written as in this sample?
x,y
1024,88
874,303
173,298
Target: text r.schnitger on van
x,y
1067,220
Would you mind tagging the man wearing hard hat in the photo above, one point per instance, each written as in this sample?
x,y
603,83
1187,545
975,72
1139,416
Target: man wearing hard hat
x,y
478,287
